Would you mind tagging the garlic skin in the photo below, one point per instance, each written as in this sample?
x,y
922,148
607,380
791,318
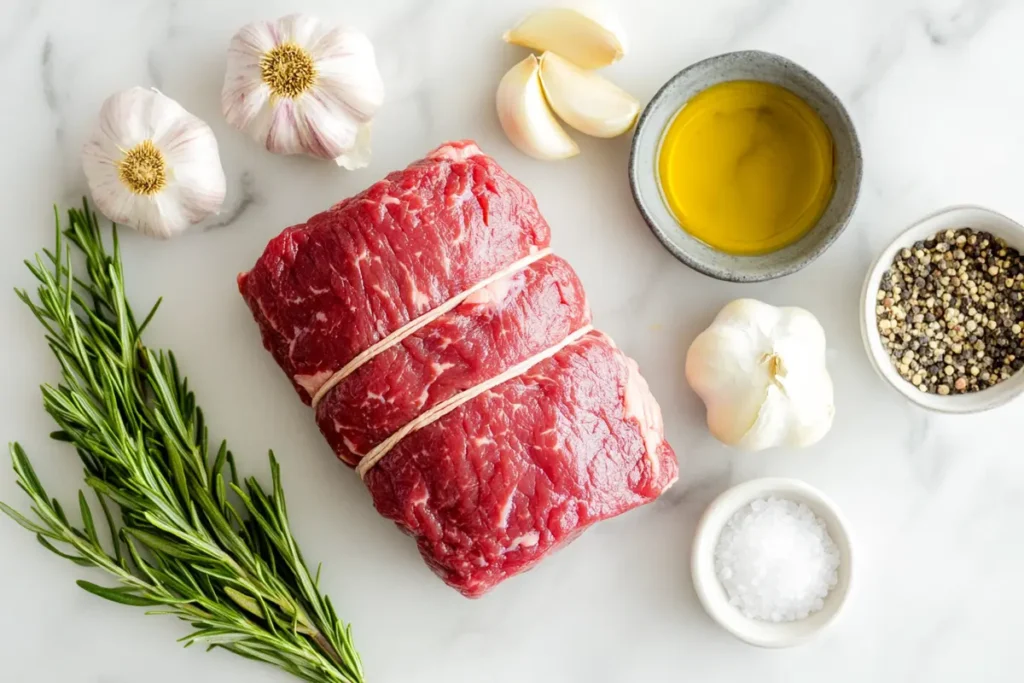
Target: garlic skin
x,y
526,118
585,100
152,165
300,86
761,372
585,39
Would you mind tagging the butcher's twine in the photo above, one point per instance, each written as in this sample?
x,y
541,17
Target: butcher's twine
x,y
419,323
445,407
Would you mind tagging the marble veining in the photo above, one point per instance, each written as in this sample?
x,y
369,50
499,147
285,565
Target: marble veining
x,y
247,199
935,502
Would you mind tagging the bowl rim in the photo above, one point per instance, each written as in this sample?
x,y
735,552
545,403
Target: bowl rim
x,y
952,404
683,256
718,512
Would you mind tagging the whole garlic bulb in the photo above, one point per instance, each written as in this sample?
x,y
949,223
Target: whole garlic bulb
x,y
299,86
761,372
152,165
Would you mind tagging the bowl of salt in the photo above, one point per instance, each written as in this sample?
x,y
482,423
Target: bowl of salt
x,y
772,561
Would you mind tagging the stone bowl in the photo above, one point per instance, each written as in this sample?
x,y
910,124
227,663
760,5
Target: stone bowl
x,y
662,109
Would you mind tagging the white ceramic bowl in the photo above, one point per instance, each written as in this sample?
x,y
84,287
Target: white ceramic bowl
x,y
953,218
713,596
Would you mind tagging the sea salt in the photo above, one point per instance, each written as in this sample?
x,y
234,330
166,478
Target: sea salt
x,y
776,560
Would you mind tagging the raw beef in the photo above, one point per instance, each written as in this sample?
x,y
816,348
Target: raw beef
x,y
491,486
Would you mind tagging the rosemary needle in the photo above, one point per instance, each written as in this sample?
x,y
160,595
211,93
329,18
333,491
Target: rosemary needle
x,y
187,537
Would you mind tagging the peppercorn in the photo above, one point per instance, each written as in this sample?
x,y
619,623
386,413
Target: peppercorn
x,y
950,312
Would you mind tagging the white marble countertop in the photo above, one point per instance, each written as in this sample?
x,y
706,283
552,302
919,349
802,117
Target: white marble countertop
x,y
936,503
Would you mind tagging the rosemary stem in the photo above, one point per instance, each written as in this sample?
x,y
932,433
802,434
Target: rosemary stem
x,y
180,546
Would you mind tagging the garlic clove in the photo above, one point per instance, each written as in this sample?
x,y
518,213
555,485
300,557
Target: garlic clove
x,y
151,165
341,55
726,381
583,40
585,100
300,86
525,116
346,62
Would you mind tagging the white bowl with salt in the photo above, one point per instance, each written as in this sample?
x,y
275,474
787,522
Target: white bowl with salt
x,y
772,561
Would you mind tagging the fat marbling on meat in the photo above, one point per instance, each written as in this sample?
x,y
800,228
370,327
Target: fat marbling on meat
x,y
492,487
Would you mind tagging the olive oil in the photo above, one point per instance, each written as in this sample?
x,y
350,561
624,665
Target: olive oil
x,y
747,167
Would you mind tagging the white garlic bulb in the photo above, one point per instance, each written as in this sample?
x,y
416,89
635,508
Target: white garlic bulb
x,y
761,372
299,86
152,165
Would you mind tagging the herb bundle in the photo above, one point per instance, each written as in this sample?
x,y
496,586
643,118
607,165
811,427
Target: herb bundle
x,y
187,537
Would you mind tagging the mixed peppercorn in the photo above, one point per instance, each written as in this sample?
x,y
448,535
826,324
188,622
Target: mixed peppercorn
x,y
950,312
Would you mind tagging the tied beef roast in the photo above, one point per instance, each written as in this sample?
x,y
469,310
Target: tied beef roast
x,y
449,357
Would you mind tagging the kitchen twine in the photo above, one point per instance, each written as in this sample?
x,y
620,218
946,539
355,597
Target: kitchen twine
x,y
441,409
445,407
419,323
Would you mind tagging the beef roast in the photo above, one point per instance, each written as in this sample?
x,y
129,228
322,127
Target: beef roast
x,y
506,473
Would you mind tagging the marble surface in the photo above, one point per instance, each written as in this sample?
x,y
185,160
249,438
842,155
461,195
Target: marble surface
x,y
936,503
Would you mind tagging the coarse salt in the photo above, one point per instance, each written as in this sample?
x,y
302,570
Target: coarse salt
x,y
776,561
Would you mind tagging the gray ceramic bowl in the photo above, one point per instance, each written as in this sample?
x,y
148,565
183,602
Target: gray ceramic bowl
x,y
743,66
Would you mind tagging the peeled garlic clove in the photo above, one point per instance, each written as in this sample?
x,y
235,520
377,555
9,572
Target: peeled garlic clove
x,y
581,39
525,116
586,101
151,165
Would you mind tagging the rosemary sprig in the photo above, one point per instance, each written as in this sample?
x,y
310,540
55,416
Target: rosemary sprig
x,y
187,537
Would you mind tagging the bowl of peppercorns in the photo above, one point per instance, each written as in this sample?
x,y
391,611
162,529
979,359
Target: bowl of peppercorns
x,y
943,318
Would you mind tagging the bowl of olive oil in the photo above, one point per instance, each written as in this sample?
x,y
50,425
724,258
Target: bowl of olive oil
x,y
746,166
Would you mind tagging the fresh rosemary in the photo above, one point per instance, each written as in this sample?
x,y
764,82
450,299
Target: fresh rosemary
x,y
187,537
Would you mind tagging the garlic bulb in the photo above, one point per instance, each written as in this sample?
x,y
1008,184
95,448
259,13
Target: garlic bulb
x,y
525,116
585,100
152,165
582,38
760,370
300,86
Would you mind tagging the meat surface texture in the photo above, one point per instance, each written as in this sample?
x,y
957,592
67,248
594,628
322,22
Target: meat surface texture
x,y
502,477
